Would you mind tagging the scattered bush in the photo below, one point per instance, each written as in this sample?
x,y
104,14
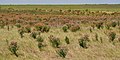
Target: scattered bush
x,y
111,36
33,35
40,39
21,32
99,25
113,24
13,48
67,40
42,27
101,39
65,28
96,37
8,28
28,29
2,26
107,27
40,45
90,30
62,52
18,25
45,29
83,41
54,41
74,28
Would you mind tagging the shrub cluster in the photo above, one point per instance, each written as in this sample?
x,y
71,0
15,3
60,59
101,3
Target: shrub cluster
x,y
65,28
21,32
67,40
111,36
99,25
42,28
62,52
74,28
13,48
54,41
83,41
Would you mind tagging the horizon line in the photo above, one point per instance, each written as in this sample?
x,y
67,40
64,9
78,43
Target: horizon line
x,y
65,4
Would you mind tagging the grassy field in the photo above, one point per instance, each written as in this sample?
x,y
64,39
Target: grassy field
x,y
63,32
92,7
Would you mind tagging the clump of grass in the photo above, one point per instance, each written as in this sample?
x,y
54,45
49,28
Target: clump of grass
x,y
83,41
65,28
45,29
28,29
113,24
2,26
96,37
13,48
111,36
21,32
93,25
18,25
67,40
33,35
40,42
39,39
62,52
8,27
40,45
90,30
101,40
107,27
74,28
54,41
42,28
118,23
99,25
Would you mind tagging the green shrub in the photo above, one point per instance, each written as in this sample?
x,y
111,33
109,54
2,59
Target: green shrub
x,y
13,48
101,39
43,28
39,28
113,24
107,27
40,39
40,45
65,28
118,23
21,32
67,40
99,25
33,35
83,41
96,37
111,36
27,29
54,41
62,52
18,25
90,30
2,26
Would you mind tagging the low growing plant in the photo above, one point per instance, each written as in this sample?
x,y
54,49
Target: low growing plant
x,y
111,36
13,48
62,52
67,40
54,41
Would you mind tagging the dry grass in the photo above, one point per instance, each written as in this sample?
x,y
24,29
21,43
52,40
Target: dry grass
x,y
28,49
